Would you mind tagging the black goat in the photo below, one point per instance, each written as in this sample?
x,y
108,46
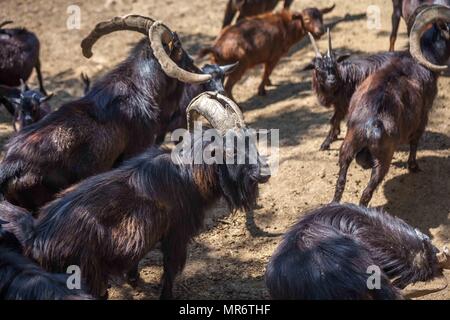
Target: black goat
x,y
328,255
334,81
108,223
122,114
19,55
21,278
391,106
26,106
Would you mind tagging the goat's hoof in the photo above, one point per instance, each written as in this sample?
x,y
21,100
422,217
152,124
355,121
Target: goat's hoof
x,y
104,296
414,168
166,297
262,92
325,147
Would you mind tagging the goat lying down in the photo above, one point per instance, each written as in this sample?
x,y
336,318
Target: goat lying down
x,y
20,277
332,252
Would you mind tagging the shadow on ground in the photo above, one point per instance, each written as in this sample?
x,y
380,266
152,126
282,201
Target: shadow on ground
x,y
414,197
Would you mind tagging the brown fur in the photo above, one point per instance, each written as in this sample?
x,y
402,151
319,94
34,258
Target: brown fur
x,y
264,39
249,8
390,108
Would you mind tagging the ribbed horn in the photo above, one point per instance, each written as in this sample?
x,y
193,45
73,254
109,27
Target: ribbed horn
x,y
429,15
135,23
160,34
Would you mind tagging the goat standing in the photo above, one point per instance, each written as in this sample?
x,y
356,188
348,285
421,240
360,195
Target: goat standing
x,y
391,106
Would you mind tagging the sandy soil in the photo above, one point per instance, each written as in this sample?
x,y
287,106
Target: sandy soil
x,y
228,260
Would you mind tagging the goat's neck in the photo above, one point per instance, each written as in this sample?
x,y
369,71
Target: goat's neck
x,y
206,181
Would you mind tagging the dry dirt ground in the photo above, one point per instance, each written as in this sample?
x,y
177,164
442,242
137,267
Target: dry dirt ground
x,y
227,261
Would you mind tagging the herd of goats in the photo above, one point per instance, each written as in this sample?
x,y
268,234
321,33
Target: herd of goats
x,y
90,185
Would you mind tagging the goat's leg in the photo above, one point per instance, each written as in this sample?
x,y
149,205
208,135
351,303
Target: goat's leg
x,y
39,76
346,157
230,12
413,167
287,3
234,78
174,251
379,171
335,130
396,16
268,68
8,106
132,276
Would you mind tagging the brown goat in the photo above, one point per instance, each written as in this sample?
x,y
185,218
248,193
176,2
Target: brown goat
x,y
249,8
264,40
391,106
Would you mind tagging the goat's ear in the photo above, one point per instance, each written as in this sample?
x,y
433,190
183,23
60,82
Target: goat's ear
x,y
15,101
343,57
175,48
23,86
328,10
309,66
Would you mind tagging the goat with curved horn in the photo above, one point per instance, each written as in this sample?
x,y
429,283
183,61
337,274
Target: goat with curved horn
x,y
428,15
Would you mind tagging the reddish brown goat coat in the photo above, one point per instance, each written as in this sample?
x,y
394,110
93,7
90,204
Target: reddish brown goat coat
x,y
264,39
249,8
390,108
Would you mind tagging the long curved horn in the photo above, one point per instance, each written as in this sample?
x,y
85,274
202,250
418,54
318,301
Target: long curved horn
x,y
221,112
160,34
4,23
136,23
428,15
314,44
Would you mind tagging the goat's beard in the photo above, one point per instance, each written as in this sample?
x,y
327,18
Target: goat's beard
x,y
239,186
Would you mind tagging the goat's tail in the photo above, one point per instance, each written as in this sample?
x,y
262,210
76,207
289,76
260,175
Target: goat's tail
x,y
375,130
